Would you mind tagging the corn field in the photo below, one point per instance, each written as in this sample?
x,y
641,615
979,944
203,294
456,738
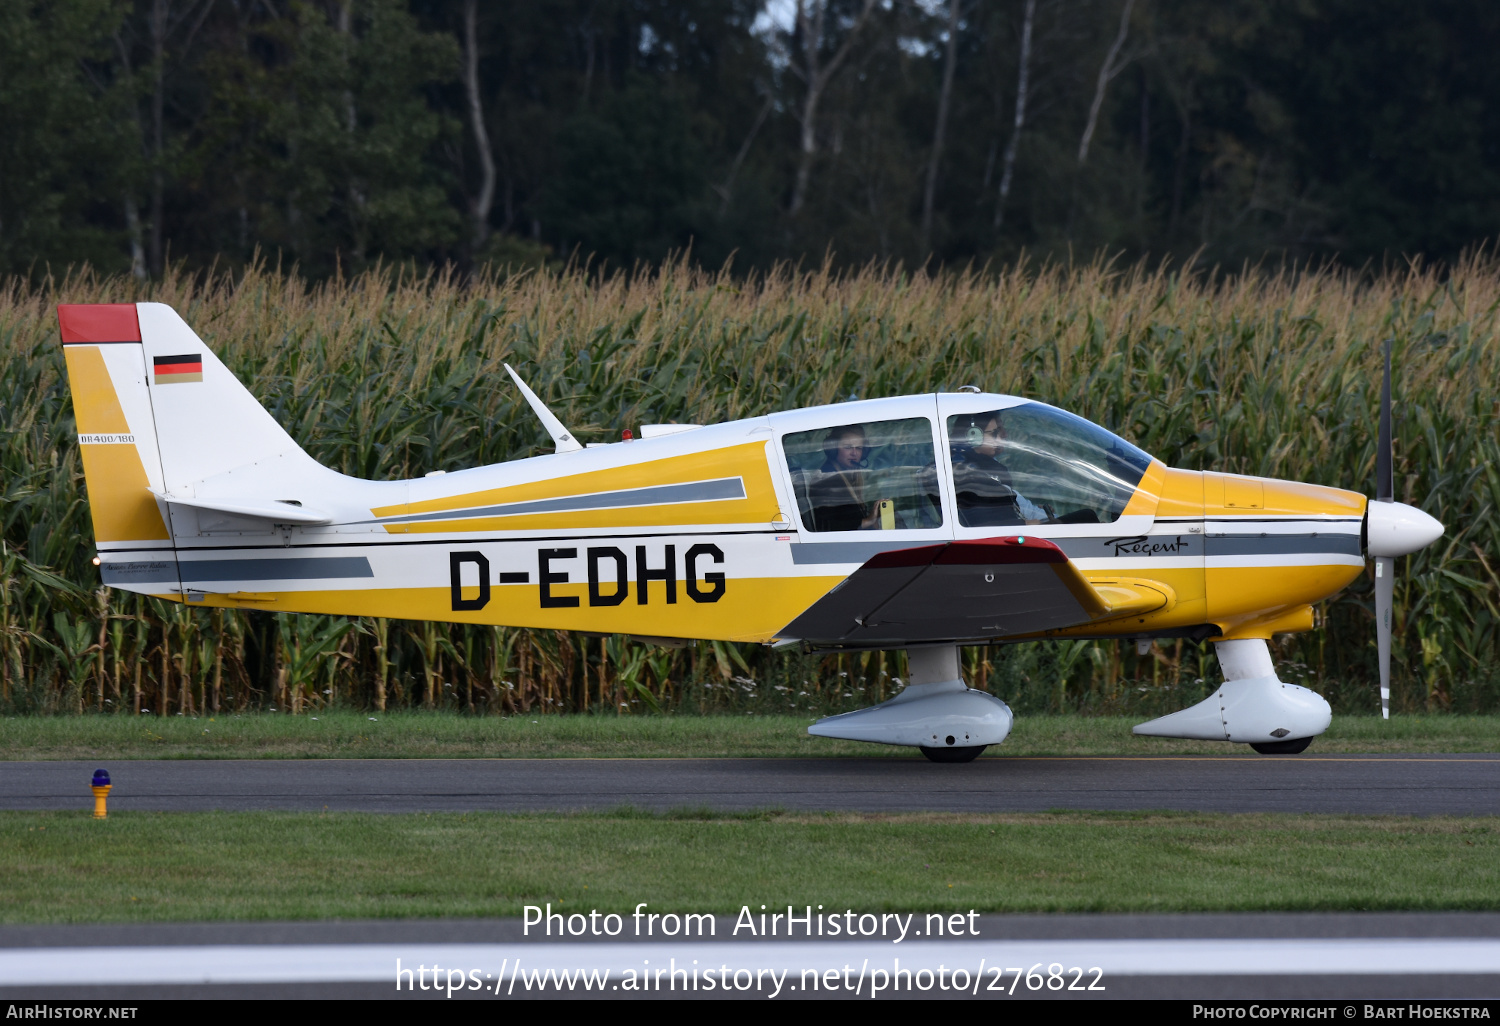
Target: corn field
x,y
393,374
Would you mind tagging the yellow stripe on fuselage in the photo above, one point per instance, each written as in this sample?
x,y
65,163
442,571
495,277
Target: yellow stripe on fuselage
x,y
746,461
751,609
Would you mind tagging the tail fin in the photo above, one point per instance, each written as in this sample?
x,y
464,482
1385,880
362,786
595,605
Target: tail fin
x,y
206,422
161,420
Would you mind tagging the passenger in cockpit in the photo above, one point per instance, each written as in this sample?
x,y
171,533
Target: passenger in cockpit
x,y
838,494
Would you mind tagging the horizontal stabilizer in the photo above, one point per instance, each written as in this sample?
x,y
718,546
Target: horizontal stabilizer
x,y
955,591
277,511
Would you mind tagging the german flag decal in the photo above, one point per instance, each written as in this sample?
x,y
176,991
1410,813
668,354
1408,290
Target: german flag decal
x,y
173,370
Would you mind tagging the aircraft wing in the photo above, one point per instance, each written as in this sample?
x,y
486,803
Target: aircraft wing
x,y
953,591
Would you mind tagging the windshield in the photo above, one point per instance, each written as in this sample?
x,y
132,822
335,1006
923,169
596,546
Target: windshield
x,y
1033,464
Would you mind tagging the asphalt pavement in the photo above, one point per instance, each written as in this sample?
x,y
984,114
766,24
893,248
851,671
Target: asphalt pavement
x,y
1449,957
1460,785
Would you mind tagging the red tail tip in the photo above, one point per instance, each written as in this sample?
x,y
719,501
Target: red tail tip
x,y
98,322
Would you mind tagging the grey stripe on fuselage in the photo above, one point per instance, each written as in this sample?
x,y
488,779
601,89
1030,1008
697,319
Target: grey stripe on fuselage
x,y
814,553
803,554
315,568
284,568
1283,544
1117,547
655,495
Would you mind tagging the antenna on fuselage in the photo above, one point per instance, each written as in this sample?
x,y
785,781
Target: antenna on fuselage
x,y
562,438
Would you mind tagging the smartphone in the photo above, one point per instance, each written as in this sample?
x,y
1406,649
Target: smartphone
x,y
887,514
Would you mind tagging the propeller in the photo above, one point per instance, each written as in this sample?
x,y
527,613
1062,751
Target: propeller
x,y
1385,566
1391,529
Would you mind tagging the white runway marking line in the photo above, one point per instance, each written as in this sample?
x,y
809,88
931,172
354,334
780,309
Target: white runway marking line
x,y
327,963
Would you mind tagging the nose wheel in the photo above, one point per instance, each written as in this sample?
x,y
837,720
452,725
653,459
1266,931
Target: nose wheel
x,y
1292,747
968,753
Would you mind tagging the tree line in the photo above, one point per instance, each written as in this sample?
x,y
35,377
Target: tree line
x,y
337,134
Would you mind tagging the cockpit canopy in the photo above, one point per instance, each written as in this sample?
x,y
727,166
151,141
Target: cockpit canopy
x,y
1038,464
1023,463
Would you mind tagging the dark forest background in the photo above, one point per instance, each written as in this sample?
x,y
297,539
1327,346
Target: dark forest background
x,y
332,135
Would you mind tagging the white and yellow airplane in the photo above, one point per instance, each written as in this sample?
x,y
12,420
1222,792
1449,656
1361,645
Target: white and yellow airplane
x,y
921,522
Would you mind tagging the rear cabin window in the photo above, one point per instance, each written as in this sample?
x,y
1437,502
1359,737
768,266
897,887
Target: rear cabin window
x,y
868,476
1032,464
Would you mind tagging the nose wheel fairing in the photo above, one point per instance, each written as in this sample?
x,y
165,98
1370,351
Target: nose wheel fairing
x,y
1252,706
1260,710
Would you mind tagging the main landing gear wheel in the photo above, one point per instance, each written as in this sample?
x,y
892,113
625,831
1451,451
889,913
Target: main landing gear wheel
x,y
1292,747
966,754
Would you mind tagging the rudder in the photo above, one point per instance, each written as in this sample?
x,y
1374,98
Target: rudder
x,y
117,444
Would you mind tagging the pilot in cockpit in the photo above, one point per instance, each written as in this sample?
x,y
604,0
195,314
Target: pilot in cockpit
x,y
982,484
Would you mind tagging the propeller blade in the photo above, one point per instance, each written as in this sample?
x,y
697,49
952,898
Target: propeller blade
x,y
1385,587
1385,490
1385,566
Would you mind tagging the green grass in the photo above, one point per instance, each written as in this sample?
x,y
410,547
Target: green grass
x,y
135,867
346,735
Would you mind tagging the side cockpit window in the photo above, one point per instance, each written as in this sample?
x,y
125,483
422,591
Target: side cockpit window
x,y
1033,464
875,476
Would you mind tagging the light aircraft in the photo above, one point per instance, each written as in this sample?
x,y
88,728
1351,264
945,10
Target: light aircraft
x,y
921,522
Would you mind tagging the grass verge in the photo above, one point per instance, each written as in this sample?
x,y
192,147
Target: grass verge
x,y
346,735
66,867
